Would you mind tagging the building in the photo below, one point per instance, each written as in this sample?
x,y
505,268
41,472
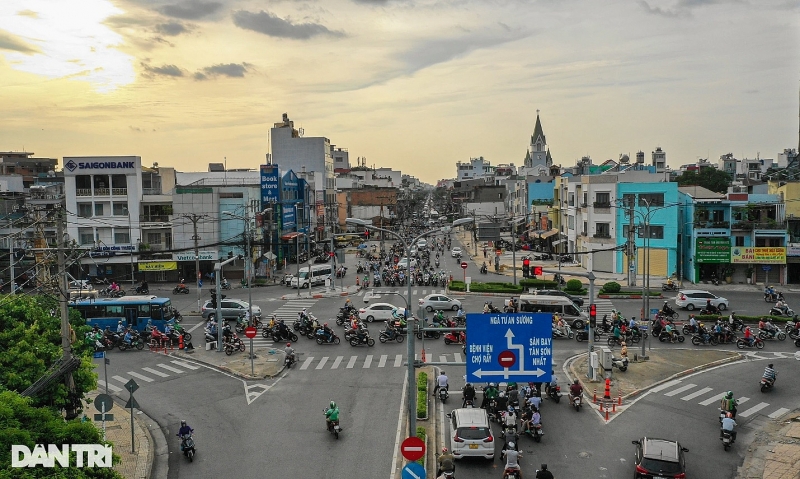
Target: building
x,y
26,166
475,168
538,154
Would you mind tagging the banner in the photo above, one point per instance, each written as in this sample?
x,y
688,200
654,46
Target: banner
x,y
270,187
189,256
159,265
759,255
713,250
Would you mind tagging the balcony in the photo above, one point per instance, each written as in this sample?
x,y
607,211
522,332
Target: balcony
x,y
759,225
83,192
602,204
155,218
602,235
151,191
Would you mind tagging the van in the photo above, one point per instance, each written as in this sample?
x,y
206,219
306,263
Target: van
x,y
535,303
312,276
471,434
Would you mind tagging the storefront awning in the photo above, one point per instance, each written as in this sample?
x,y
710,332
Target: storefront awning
x,y
558,242
291,236
548,234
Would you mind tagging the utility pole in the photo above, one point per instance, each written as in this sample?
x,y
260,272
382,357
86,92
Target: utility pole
x,y
194,218
631,243
63,297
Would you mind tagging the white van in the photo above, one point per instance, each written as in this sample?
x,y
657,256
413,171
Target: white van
x,y
313,276
534,303
471,434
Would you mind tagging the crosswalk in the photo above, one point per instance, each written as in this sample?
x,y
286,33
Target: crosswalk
x,y
146,374
691,392
415,292
370,361
603,306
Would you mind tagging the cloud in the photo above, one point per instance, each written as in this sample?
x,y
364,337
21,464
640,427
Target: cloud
x,y
12,42
190,10
231,70
163,70
171,28
274,26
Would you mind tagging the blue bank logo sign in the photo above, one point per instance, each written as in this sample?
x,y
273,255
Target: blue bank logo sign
x,y
510,347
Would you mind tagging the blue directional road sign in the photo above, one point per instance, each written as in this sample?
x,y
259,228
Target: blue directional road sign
x,y
509,346
99,354
413,470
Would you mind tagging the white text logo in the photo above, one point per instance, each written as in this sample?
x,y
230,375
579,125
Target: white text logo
x,y
87,455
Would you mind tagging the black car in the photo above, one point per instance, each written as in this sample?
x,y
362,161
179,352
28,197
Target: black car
x,y
555,292
659,458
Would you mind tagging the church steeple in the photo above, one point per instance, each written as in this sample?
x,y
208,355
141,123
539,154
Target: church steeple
x,y
538,153
538,135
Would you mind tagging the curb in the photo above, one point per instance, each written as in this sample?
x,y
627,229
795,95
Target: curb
x,y
159,459
626,296
228,370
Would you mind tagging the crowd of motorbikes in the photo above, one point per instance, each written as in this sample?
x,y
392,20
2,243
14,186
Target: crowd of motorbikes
x,y
127,338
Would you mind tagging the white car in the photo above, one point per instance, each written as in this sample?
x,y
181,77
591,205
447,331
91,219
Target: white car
x,y
456,251
434,302
379,312
422,244
692,299
403,263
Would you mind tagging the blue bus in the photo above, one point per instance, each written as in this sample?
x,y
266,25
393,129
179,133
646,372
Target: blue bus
x,y
134,311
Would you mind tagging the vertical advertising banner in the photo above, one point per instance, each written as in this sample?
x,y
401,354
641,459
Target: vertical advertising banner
x,y
270,187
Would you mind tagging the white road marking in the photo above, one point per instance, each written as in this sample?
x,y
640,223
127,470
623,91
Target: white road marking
x,y
306,363
336,362
443,358
157,373
712,399
120,379
780,412
185,365
352,362
322,362
695,394
753,409
169,368
398,360
368,361
681,389
139,376
382,361
742,400
666,385
458,357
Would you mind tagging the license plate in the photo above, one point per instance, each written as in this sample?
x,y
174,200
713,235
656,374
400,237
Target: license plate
x,y
473,446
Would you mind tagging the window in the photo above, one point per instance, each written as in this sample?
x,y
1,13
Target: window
x,y
602,200
572,199
122,236
154,238
86,235
602,230
98,209
571,222
144,310
85,210
656,232
585,227
651,199
120,209
628,200
738,240
585,198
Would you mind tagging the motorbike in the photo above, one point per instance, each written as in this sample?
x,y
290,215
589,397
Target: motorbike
x,y
709,338
136,342
554,393
363,338
389,334
792,330
669,312
664,336
566,333
187,446
788,312
620,363
428,334
669,286
322,338
234,344
334,427
727,439
766,385
484,269
278,336
445,474
142,290
224,284
108,292
455,337
583,335
634,335
742,343
289,361
577,401
774,334
773,297
341,272
180,289
536,432
344,314
714,279
443,394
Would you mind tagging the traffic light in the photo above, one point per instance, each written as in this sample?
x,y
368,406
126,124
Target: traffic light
x,y
537,271
214,299
366,234
593,315
526,267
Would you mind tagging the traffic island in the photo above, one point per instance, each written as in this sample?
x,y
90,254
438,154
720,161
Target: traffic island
x,y
267,363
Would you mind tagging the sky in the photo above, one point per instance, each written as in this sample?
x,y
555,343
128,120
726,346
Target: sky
x,y
412,85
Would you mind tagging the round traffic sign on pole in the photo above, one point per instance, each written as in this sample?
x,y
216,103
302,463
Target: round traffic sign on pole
x,y
250,332
412,448
463,265
507,359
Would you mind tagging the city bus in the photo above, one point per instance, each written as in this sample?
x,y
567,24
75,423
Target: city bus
x,y
134,311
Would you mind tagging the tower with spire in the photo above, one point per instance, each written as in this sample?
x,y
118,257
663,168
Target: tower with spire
x,y
538,154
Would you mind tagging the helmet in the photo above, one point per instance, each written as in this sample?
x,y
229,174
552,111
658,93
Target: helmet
x,y
544,467
511,445
325,325
492,385
468,385
444,450
183,422
770,365
729,415
510,408
729,394
623,343
702,325
290,344
305,309
333,404
502,394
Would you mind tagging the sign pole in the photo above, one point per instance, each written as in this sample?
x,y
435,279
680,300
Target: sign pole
x,y
252,367
103,414
105,369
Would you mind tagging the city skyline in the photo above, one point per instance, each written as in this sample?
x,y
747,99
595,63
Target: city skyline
x,y
412,85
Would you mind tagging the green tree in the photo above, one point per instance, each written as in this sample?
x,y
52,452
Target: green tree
x,y
30,343
21,423
708,177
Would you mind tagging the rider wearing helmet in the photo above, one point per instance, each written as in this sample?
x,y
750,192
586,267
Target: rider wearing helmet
x,y
510,419
446,462
489,394
328,332
575,389
727,425
543,473
185,429
512,459
468,394
728,404
289,351
331,415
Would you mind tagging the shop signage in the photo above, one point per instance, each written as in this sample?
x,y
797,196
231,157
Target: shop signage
x,y
759,255
189,256
158,266
270,187
793,249
713,250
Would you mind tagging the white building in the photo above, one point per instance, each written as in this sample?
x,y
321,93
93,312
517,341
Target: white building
x,y
476,168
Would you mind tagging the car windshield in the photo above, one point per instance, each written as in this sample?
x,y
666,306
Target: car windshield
x,y
473,433
662,467
303,275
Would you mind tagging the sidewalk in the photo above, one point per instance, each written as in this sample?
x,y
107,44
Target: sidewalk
x,y
149,442
267,363
775,452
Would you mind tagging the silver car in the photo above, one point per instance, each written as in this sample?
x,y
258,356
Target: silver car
x,y
692,299
434,302
231,309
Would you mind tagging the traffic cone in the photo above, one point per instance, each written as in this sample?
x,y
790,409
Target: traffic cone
x,y
180,342
607,392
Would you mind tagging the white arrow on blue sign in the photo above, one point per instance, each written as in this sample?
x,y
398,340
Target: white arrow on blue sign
x,y
413,470
509,346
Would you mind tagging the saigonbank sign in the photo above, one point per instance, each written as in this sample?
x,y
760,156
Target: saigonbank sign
x,y
86,455
73,165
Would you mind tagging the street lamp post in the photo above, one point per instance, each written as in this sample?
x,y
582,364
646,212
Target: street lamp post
x,y
411,382
249,258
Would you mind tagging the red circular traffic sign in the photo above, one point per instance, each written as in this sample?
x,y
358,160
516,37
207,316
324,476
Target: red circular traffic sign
x,y
507,359
463,265
412,448
250,332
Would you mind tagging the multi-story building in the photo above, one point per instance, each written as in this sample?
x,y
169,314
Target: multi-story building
x,y
475,168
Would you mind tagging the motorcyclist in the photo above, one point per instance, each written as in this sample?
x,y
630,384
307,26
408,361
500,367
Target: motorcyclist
x,y
710,308
560,325
769,374
771,328
623,352
670,331
543,473
748,335
552,384
120,327
468,393
289,351
438,318
693,322
489,394
703,332
184,430
769,291
728,404
512,460
441,382
446,462
143,286
727,425
331,415
575,389
486,308
328,332
500,404
535,401
128,337
510,418
781,306
510,436
513,397
283,330
666,309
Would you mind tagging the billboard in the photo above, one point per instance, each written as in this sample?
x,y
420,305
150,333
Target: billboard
x,y
713,250
270,186
759,255
289,218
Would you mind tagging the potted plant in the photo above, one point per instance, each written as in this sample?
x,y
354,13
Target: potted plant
x,y
749,271
727,272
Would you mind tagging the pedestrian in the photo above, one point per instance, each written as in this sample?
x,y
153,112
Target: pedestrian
x,y
358,282
484,251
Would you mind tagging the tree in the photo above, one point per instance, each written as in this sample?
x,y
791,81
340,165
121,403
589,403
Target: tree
x,y
23,424
708,177
30,343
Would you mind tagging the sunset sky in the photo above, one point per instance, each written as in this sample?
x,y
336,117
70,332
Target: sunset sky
x,y
412,85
